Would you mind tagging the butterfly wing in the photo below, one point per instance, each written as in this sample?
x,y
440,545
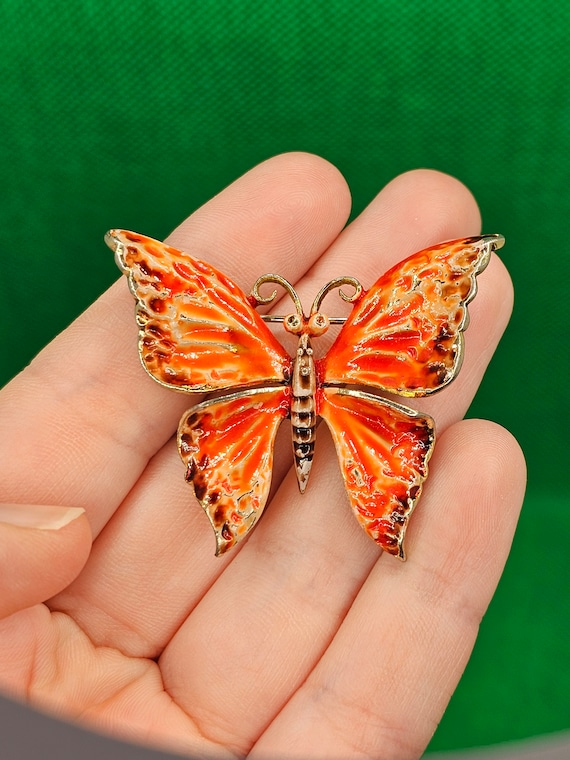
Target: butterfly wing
x,y
197,330
383,449
404,335
227,447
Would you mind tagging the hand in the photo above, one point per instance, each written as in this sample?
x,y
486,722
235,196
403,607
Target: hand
x,y
305,641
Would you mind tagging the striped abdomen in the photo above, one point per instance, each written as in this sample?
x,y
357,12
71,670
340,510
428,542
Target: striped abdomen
x,y
303,417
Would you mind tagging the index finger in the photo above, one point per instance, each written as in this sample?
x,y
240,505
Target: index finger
x,y
81,422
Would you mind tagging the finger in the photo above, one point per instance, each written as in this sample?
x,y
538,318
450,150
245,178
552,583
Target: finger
x,y
42,549
281,600
385,680
86,405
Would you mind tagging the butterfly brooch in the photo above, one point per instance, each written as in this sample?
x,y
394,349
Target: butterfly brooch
x,y
200,333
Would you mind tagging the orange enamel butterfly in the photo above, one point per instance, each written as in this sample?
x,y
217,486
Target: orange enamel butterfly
x,y
198,332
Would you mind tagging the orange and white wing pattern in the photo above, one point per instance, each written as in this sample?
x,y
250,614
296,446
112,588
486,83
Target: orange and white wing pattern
x,y
227,447
197,329
383,450
404,335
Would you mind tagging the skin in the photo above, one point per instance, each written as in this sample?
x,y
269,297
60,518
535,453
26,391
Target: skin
x,y
306,641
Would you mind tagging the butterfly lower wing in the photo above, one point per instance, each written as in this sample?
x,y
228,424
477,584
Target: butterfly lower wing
x,y
404,335
227,447
197,329
383,450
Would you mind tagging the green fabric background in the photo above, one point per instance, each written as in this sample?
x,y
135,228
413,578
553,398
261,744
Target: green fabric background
x,y
132,114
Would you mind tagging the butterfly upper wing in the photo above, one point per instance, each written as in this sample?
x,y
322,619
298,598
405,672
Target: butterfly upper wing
x,y
404,335
227,447
197,330
383,449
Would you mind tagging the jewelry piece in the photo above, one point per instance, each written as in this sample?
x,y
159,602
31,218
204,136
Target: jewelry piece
x,y
198,332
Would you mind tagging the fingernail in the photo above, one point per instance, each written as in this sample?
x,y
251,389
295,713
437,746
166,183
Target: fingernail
x,y
38,515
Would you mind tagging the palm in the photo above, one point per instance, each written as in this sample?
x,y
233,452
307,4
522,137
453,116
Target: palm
x,y
305,642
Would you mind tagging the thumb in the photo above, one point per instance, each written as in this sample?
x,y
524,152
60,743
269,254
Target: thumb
x,y
42,549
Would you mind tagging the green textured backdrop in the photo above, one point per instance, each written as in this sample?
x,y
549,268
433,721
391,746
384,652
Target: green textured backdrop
x,y
132,114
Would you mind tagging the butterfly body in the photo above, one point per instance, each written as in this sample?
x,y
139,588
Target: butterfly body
x,y
198,332
303,414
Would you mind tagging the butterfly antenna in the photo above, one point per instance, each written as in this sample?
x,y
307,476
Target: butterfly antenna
x,y
285,284
338,282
